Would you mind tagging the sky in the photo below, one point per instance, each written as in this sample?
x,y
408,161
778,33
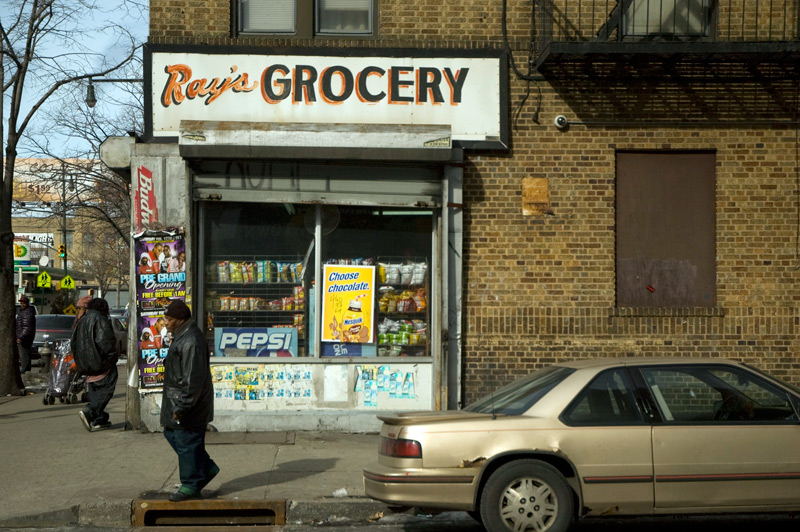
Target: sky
x,y
88,44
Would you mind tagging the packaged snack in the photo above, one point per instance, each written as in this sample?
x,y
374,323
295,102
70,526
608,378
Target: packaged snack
x,y
406,302
261,271
284,272
223,273
248,272
382,272
421,299
406,274
419,271
236,272
392,273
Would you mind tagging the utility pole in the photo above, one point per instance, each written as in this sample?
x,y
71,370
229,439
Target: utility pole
x,y
64,216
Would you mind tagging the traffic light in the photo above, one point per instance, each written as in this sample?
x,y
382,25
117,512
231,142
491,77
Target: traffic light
x,y
62,251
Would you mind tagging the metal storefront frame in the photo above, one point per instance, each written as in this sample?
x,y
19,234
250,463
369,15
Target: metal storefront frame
x,y
419,187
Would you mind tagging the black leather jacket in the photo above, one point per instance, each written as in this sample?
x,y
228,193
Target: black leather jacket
x,y
188,388
26,325
93,344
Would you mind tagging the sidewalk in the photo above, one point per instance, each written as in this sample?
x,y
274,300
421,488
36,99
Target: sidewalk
x,y
55,473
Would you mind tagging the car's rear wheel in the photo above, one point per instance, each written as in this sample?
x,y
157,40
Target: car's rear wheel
x,y
527,495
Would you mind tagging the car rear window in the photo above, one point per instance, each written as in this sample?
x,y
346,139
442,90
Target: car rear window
x,y
517,397
54,322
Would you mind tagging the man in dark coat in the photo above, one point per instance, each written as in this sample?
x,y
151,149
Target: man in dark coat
x,y
187,403
95,350
26,331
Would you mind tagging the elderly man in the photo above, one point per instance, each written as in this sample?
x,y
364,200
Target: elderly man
x,y
187,403
95,349
26,331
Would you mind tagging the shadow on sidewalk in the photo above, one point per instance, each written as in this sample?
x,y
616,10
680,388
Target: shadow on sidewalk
x,y
285,472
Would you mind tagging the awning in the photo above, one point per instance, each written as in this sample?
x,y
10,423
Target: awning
x,y
257,140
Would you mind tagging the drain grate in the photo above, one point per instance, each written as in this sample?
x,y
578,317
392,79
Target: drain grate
x,y
209,513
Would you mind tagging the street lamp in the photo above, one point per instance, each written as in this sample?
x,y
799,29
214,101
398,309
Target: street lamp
x,y
91,98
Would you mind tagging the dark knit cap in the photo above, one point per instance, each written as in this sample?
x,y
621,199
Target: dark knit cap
x,y
178,310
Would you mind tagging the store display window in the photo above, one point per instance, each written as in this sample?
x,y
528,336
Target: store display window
x,y
261,276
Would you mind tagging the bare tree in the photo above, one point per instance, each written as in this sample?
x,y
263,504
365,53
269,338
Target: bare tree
x,y
42,48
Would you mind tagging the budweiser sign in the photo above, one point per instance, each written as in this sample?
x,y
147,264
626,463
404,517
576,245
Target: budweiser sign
x,y
144,201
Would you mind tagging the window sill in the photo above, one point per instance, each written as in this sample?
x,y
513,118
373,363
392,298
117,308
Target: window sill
x,y
667,312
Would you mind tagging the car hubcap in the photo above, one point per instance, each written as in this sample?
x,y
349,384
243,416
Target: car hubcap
x,y
528,504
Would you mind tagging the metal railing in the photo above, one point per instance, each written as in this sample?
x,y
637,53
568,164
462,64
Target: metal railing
x,y
604,21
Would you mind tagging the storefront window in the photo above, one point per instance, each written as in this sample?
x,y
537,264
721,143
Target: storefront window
x,y
260,280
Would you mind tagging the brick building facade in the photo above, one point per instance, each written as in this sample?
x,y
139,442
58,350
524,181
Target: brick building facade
x,y
541,250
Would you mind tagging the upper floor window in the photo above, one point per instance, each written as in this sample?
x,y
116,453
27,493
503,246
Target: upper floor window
x,y
666,229
306,18
667,18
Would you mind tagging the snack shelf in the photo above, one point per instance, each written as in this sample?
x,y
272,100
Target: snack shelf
x,y
249,312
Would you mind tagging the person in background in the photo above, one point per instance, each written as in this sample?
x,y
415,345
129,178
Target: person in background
x,y
95,351
187,403
82,306
26,331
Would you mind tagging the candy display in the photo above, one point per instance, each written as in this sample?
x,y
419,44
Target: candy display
x,y
393,301
403,274
261,271
228,303
270,292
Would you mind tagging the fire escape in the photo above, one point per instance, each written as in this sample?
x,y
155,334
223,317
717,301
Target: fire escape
x,y
713,61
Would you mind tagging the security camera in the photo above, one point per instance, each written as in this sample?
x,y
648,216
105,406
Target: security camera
x,y
560,122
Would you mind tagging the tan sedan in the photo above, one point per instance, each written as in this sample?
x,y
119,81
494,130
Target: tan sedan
x,y
609,437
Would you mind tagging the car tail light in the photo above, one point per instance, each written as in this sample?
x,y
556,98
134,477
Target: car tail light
x,y
400,448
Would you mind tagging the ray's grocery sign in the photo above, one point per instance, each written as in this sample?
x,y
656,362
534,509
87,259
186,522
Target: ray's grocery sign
x,y
463,92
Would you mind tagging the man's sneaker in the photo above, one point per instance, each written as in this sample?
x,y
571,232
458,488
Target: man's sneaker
x,y
184,494
212,472
85,420
100,425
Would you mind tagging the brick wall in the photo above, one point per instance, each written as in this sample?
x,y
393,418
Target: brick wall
x,y
540,287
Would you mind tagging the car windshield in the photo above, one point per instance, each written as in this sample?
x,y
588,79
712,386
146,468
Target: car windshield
x,y
518,396
54,322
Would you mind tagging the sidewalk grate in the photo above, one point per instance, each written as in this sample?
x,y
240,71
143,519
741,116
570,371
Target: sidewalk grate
x,y
209,513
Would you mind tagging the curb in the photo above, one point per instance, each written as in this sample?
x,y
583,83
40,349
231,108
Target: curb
x,y
333,510
106,514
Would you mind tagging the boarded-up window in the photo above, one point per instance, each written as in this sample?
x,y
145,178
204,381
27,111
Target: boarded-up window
x,y
666,239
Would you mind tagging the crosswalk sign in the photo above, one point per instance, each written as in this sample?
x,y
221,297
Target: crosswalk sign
x,y
71,310
44,280
66,283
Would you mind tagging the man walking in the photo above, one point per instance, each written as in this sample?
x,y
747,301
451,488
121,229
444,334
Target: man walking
x,y
94,348
187,403
26,331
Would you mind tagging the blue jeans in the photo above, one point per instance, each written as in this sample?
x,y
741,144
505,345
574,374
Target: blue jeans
x,y
193,460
